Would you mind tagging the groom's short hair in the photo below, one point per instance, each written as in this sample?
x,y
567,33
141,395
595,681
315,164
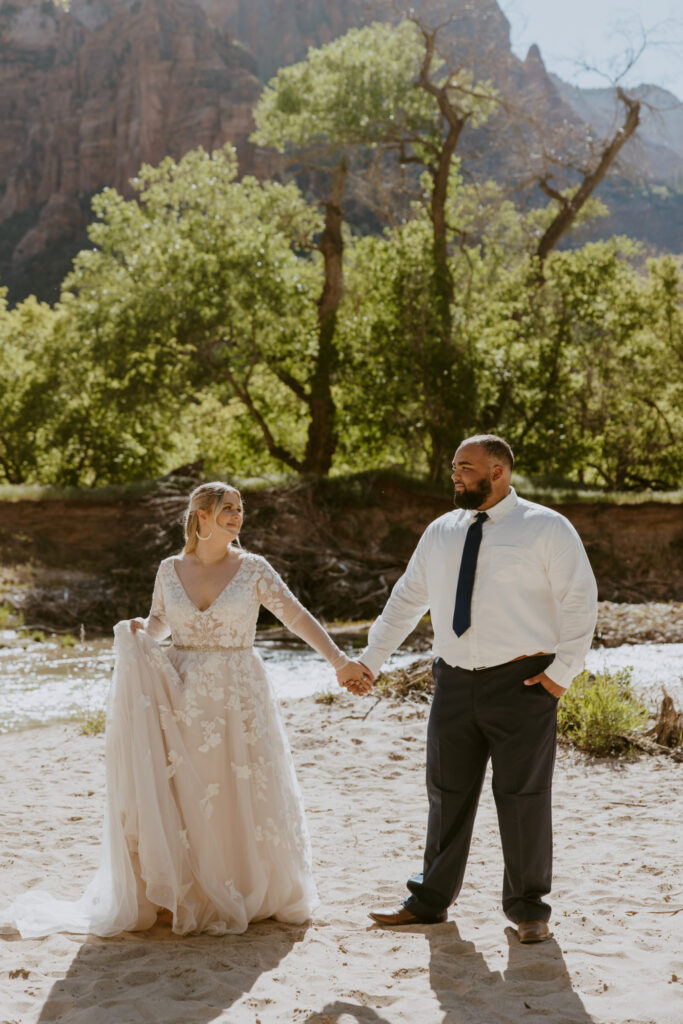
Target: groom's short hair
x,y
494,446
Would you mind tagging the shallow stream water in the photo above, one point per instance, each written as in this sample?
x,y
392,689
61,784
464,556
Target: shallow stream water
x,y
43,683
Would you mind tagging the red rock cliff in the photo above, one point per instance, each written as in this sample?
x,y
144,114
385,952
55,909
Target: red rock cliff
x,y
87,96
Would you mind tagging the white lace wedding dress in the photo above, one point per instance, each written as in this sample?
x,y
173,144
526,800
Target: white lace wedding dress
x,y
203,816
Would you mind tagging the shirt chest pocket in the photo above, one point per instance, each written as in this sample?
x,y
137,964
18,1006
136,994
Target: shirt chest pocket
x,y
505,564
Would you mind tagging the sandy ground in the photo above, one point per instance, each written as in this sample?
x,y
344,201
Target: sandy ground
x,y
616,955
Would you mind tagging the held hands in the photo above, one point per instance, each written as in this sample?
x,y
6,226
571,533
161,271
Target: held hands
x,y
136,624
355,677
553,688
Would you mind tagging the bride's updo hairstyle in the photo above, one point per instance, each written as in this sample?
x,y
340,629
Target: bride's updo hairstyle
x,y
209,497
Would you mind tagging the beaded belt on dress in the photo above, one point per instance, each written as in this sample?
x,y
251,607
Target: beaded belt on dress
x,y
202,647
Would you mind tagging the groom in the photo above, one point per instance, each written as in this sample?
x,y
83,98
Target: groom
x,y
513,604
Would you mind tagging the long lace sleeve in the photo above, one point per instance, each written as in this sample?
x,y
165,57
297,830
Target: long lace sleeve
x,y
275,595
156,623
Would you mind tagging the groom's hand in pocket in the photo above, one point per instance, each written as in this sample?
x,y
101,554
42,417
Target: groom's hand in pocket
x,y
547,683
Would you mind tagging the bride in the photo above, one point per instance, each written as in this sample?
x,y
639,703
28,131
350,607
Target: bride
x,y
204,824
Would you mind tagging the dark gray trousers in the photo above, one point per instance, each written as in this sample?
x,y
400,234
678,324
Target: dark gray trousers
x,y
476,715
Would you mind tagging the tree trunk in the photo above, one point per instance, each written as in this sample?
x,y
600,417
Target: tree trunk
x,y
322,436
448,381
438,454
443,279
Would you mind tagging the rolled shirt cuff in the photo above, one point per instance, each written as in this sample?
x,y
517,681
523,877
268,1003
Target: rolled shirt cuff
x,y
562,673
372,660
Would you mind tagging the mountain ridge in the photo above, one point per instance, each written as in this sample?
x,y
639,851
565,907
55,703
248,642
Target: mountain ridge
x,y
88,95
657,153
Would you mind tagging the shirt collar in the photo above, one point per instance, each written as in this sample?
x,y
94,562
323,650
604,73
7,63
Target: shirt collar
x,y
501,508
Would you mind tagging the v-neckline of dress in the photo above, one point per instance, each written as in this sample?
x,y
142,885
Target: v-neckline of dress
x,y
202,611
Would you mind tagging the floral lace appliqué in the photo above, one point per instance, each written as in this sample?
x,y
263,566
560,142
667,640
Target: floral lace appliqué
x,y
212,737
174,762
212,790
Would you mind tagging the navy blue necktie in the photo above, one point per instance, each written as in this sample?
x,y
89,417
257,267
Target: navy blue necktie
x,y
468,566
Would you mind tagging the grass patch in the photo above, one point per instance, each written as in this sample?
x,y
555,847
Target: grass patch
x,y
10,618
66,640
37,635
598,712
415,682
326,698
552,491
94,724
45,492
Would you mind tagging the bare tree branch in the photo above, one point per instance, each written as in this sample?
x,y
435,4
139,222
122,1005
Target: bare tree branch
x,y
552,193
570,209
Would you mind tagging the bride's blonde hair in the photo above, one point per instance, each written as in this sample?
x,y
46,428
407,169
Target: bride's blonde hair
x,y
209,497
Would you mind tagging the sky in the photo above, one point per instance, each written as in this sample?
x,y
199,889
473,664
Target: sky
x,y
600,33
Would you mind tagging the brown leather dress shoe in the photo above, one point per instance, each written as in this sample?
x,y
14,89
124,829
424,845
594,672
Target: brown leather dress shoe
x,y
397,916
533,931
402,916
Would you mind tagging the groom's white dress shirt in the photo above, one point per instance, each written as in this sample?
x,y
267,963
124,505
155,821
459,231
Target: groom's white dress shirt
x,y
534,590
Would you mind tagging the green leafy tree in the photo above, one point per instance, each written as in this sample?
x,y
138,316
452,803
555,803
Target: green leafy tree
x,y
233,314
408,390
384,335
592,391
203,282
28,404
327,114
382,88
581,373
632,395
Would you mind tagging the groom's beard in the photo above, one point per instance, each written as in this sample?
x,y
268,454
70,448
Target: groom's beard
x,y
473,496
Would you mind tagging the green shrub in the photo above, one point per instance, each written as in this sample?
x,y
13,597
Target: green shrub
x,y
598,711
66,640
10,618
92,725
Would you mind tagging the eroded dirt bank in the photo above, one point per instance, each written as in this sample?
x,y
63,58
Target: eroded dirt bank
x,y
340,544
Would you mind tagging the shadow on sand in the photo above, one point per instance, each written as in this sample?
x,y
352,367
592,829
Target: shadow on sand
x,y
534,987
142,976
149,976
